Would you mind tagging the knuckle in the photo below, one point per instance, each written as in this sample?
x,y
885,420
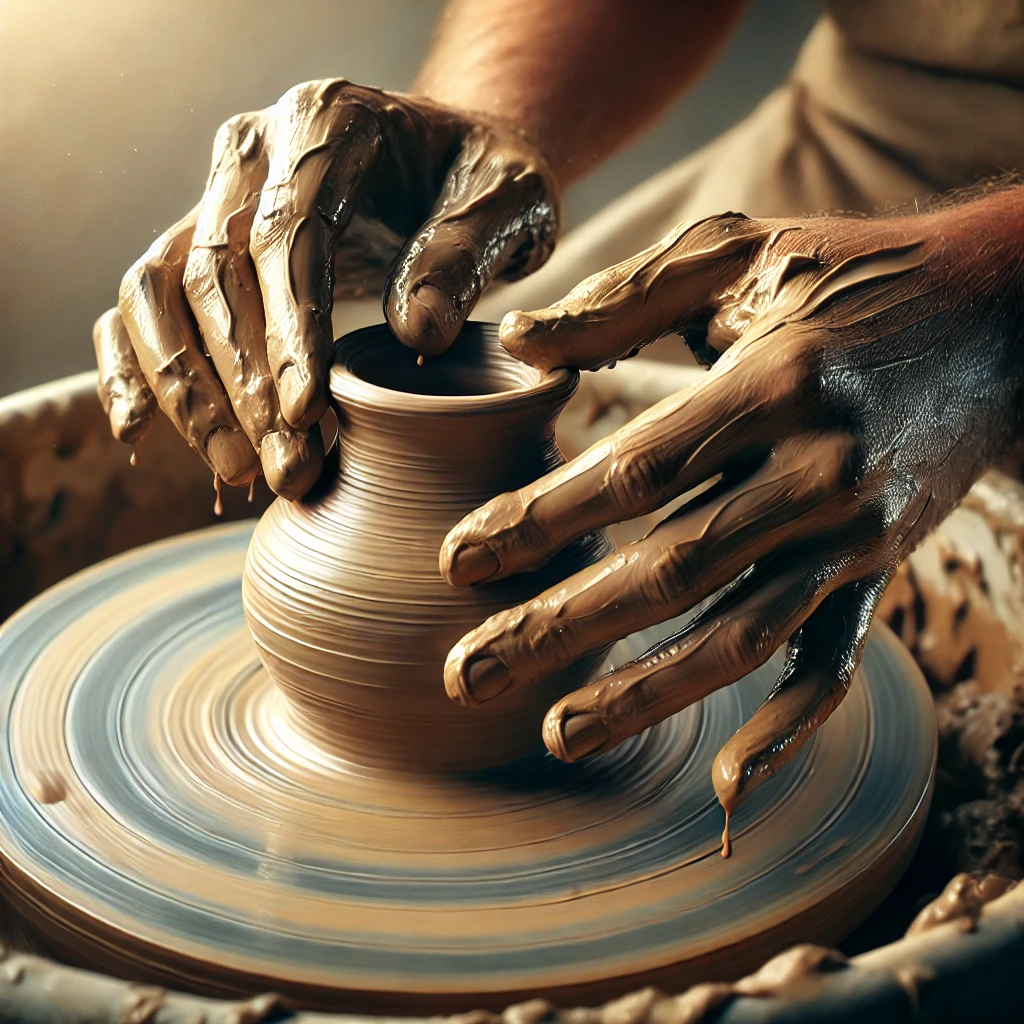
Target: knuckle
x,y
138,281
238,125
673,576
801,356
847,464
271,224
518,533
749,639
154,269
303,95
307,99
200,279
823,479
239,135
106,327
636,480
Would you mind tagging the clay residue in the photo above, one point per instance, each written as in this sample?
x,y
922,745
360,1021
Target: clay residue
x,y
979,816
45,785
961,901
958,604
533,1011
699,1002
69,497
771,981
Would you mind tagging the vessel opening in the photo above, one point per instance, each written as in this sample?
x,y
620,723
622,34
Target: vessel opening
x,y
472,366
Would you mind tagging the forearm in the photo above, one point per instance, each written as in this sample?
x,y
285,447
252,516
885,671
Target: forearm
x,y
581,77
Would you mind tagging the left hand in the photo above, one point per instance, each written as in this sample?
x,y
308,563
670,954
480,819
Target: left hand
x,y
336,191
869,371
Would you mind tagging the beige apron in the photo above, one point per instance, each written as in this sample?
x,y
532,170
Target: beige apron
x,y
890,102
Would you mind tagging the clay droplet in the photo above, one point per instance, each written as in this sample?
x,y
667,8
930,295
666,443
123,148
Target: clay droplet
x,y
134,460
252,491
45,786
533,1011
420,360
726,839
218,503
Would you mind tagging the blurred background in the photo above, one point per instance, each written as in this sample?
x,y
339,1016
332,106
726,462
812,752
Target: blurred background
x,y
108,110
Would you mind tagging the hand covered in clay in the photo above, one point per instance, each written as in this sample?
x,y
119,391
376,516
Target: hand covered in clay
x,y
865,372
336,191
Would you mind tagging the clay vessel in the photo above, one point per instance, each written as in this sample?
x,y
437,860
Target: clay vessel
x,y
342,590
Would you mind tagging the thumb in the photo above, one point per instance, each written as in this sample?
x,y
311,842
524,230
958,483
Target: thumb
x,y
616,312
497,216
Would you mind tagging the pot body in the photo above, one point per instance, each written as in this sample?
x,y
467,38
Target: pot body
x,y
342,589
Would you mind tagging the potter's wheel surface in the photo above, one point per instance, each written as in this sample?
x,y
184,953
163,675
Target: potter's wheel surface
x,y
159,819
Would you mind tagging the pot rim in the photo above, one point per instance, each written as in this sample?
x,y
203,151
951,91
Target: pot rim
x,y
554,387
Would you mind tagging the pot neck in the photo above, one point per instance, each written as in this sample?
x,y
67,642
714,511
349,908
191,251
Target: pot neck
x,y
490,429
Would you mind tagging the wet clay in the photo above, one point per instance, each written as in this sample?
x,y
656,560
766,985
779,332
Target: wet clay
x,y
958,604
346,834
961,901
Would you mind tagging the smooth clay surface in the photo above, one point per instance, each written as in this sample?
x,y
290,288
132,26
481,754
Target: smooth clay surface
x,y
163,819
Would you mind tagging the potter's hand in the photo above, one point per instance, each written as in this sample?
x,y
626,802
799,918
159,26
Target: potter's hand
x,y
225,322
869,370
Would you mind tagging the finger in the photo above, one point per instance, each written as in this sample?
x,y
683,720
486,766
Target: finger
x,y
683,560
123,392
168,348
672,447
490,220
618,311
223,292
322,144
823,656
735,634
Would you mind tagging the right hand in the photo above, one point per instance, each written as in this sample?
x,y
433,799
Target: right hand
x,y
336,191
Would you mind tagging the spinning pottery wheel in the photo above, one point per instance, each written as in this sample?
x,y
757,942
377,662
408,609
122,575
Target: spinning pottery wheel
x,y
158,796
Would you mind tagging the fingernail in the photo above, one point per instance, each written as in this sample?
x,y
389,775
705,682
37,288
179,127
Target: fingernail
x,y
583,734
232,455
301,405
128,420
486,677
514,327
429,320
434,302
473,563
291,463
